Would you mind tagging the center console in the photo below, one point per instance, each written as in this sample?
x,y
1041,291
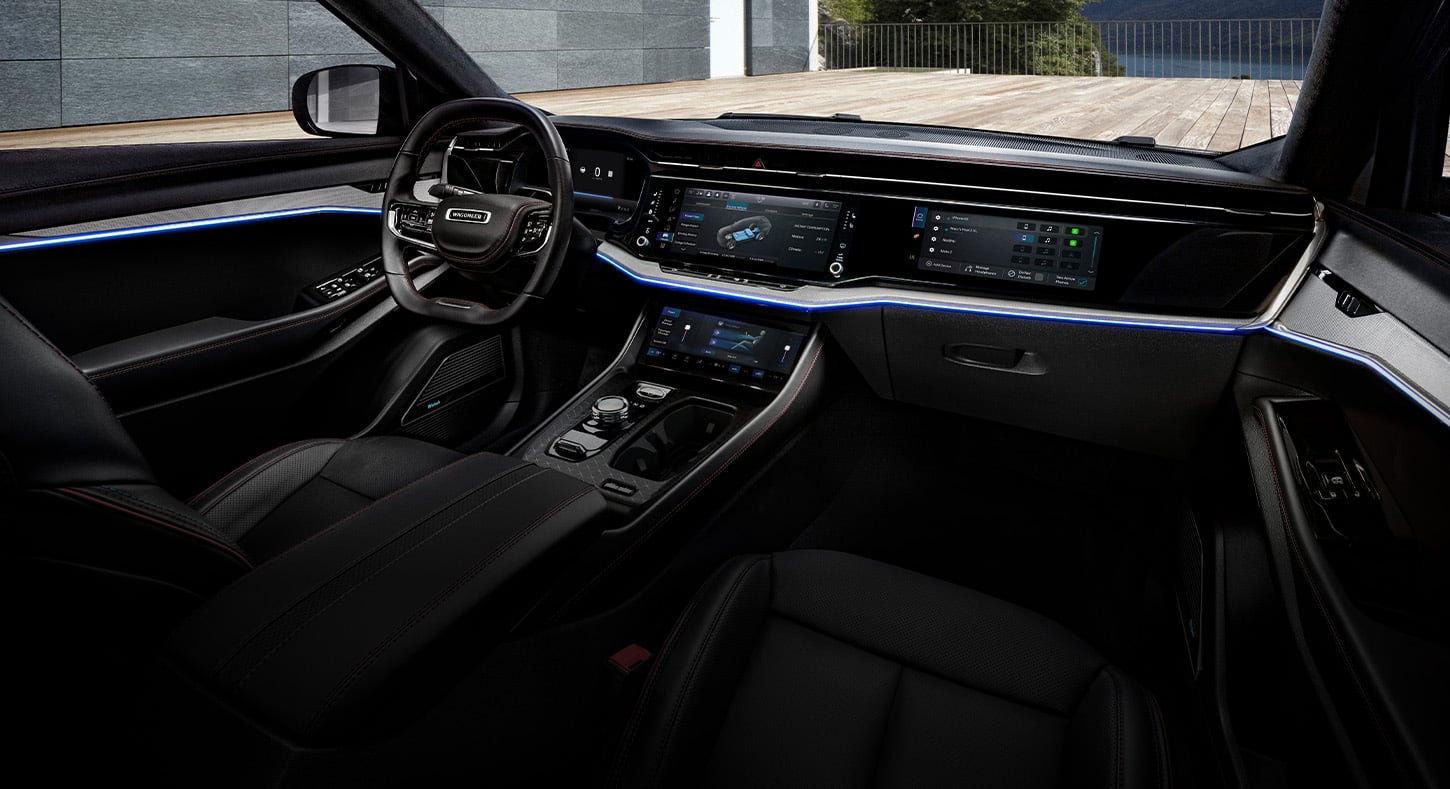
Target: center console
x,y
690,379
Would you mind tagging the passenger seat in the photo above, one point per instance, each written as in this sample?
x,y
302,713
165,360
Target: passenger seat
x,y
822,669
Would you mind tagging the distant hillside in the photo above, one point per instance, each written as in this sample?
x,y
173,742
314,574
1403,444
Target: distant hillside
x,y
1203,9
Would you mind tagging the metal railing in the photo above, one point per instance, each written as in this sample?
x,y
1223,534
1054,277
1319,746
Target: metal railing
x,y
1221,48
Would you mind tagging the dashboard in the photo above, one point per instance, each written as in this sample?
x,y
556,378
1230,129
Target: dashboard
x,y
823,212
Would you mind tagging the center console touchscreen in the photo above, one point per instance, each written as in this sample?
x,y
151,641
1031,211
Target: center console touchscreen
x,y
722,347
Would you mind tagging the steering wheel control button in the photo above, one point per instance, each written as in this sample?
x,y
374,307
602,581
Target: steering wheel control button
x,y
652,392
536,229
416,218
610,410
619,488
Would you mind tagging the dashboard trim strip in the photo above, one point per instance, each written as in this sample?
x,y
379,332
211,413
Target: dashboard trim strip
x,y
826,299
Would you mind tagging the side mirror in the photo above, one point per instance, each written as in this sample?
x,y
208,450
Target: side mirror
x,y
348,101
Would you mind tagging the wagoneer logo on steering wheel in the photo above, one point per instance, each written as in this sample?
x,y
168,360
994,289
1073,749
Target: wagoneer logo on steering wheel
x,y
468,215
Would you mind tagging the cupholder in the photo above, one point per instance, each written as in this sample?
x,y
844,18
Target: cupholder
x,y
674,440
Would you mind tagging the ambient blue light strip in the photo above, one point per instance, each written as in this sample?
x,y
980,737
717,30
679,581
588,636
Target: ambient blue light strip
x,y
769,300
1373,364
191,224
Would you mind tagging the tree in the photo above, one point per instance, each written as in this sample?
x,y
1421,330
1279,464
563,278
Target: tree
x,y
985,36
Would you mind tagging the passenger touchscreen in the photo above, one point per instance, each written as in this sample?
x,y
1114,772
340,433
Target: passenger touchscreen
x,y
765,230
1029,250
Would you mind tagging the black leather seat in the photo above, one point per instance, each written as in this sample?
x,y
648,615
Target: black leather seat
x,y
815,668
80,498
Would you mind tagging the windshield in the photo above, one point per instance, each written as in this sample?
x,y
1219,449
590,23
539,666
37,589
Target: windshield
x,y
1204,75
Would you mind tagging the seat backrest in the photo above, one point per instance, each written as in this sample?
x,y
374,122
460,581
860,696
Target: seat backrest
x,y
76,489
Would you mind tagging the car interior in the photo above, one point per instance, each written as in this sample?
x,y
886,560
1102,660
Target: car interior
x,y
514,448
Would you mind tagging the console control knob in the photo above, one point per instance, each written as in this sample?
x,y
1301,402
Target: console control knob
x,y
610,410
836,268
642,241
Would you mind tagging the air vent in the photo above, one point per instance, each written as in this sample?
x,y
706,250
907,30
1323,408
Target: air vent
x,y
460,373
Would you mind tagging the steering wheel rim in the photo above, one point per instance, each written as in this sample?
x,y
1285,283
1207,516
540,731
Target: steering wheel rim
x,y
549,259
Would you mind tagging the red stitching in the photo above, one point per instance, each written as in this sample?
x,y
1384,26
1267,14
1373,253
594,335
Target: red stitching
x,y
173,527
289,452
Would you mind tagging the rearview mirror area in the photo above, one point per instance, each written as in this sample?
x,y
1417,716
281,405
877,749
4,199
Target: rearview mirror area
x,y
347,101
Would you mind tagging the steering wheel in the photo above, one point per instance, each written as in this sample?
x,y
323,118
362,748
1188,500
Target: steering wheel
x,y
476,232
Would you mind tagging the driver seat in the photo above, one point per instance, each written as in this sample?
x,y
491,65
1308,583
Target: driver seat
x,y
86,521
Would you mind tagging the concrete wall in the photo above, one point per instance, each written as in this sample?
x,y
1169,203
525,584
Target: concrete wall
x,y
780,37
75,62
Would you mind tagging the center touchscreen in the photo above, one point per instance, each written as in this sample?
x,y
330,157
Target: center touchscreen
x,y
721,346
760,229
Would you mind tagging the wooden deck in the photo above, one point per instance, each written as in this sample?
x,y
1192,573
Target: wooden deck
x,y
1209,114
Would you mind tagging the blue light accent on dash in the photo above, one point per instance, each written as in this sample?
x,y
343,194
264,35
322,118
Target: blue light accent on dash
x,y
591,194
1367,361
171,227
891,302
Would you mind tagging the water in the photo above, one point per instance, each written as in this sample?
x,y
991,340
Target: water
x,y
1224,68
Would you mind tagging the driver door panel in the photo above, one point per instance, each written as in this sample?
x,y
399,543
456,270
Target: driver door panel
x,y
202,322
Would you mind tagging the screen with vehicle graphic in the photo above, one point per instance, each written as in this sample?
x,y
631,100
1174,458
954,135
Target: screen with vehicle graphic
x,y
792,232
722,346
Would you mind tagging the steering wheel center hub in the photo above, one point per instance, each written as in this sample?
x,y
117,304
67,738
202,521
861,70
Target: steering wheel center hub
x,y
478,231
